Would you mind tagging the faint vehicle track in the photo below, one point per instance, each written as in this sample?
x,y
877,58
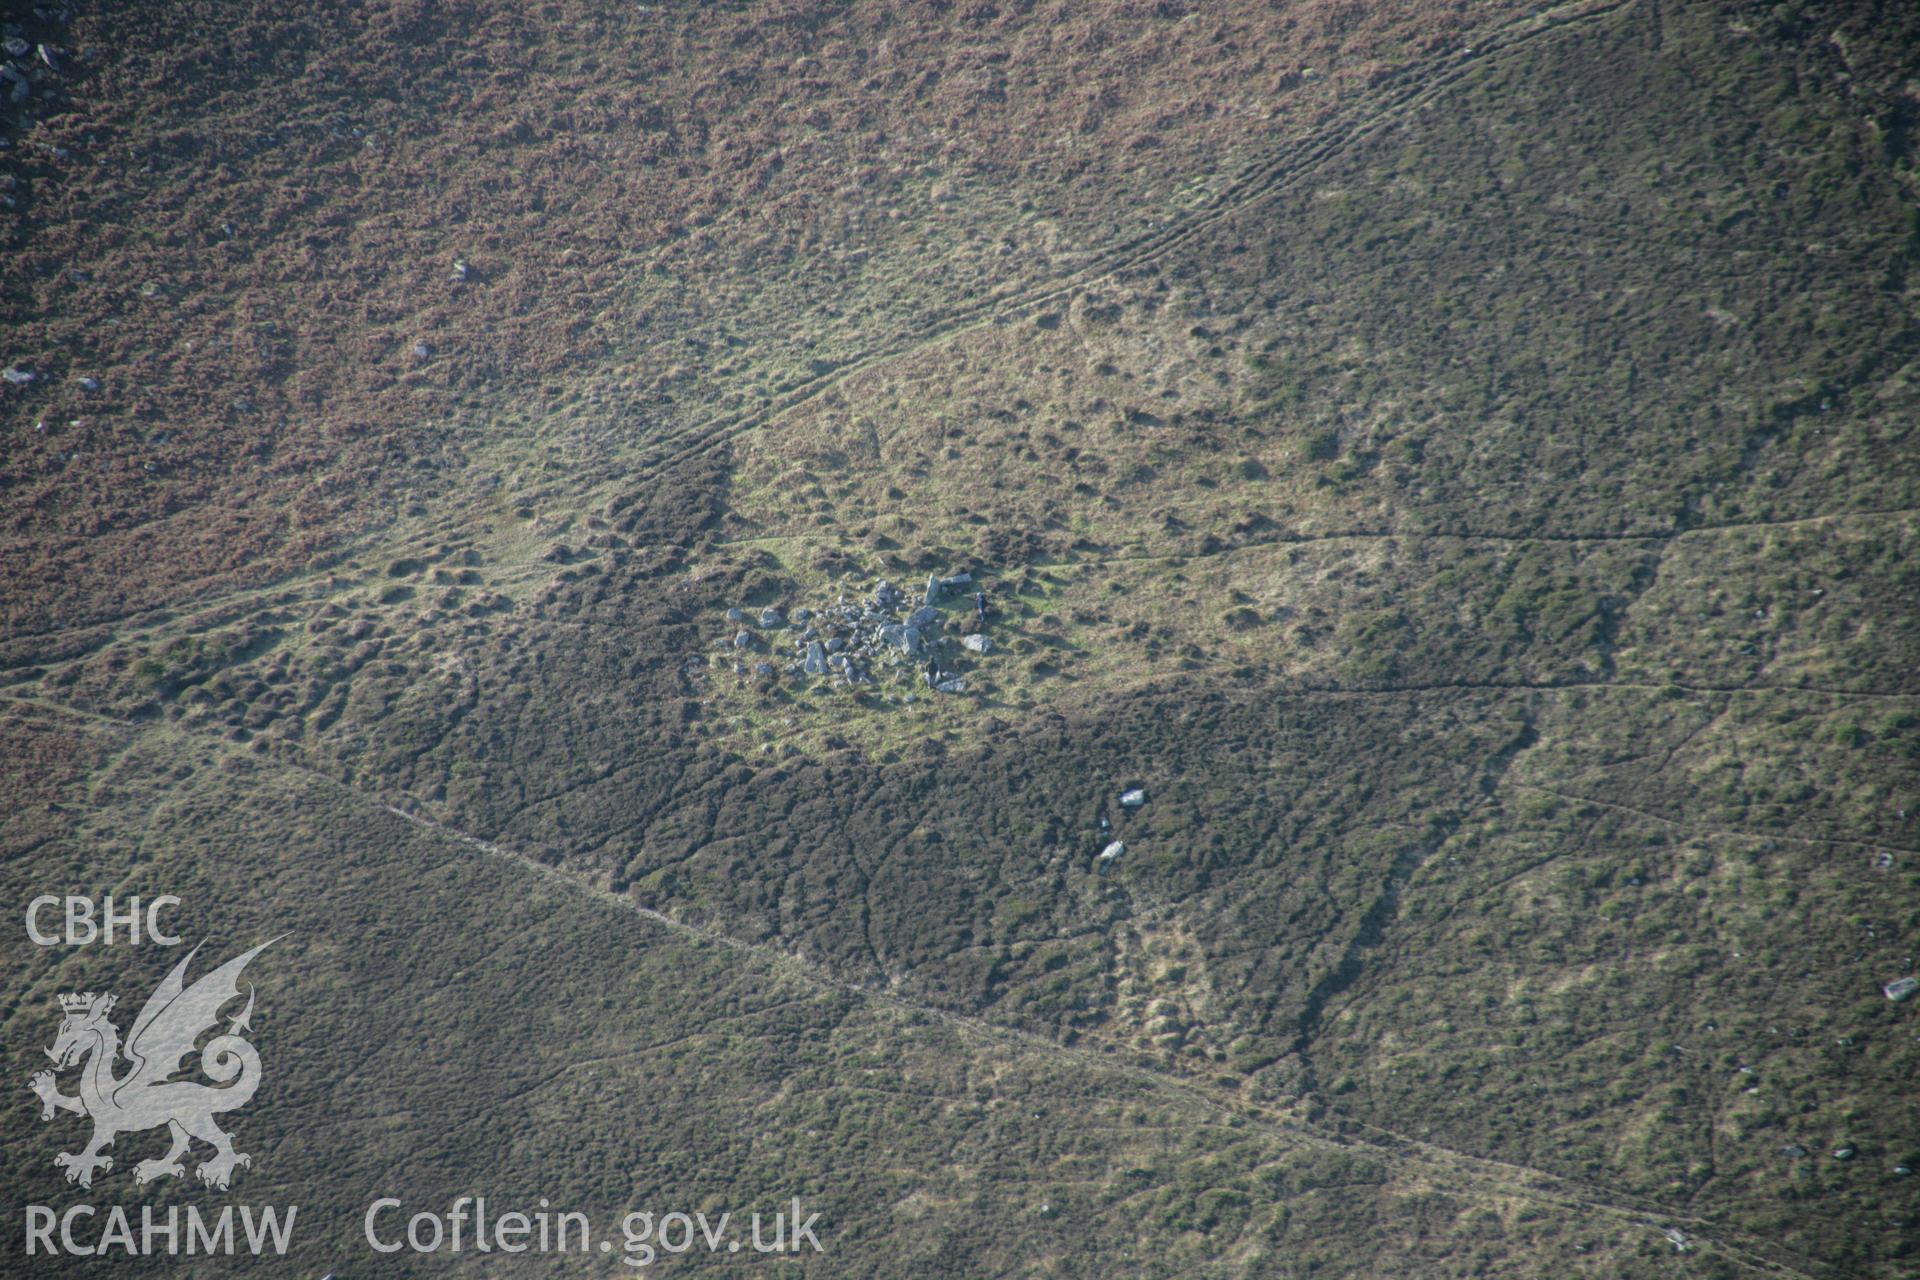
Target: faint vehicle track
x,y
1478,1175
1254,187
1414,87
1430,1162
1445,1169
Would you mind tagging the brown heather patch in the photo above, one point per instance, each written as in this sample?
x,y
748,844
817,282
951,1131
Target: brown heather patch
x,y
616,181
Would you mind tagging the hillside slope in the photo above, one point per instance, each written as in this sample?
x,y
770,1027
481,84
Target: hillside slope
x,y
1458,461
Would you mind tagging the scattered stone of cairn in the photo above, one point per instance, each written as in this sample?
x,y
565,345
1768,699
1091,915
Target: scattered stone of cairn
x,y
887,636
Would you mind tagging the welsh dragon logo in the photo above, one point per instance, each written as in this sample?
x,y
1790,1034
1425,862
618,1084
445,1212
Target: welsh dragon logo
x,y
146,1097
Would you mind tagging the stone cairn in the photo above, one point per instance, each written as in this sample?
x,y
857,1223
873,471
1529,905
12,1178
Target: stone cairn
x,y
886,637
